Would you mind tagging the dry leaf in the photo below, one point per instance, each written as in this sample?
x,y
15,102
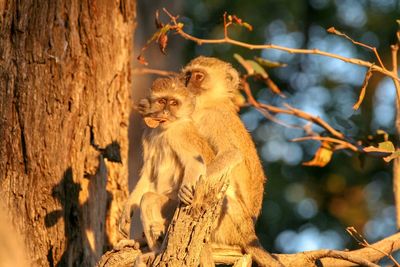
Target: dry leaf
x,y
150,122
322,156
142,60
163,42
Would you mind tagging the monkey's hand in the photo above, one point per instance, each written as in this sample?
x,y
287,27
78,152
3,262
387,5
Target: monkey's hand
x,y
186,193
144,107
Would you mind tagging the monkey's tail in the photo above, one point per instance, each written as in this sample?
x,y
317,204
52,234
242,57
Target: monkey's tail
x,y
260,255
249,240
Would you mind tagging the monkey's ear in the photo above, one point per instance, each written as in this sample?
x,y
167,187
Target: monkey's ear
x,y
198,76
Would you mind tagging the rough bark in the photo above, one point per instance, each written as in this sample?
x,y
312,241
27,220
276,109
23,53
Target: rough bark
x,y
191,226
65,82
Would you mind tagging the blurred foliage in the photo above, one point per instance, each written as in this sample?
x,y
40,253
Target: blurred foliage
x,y
309,207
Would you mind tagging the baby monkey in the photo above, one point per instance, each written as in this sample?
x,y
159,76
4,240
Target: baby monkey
x,y
175,156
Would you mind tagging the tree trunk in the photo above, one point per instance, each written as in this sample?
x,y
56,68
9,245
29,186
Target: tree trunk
x,y
64,110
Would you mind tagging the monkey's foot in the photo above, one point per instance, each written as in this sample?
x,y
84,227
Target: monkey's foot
x,y
126,243
145,259
157,230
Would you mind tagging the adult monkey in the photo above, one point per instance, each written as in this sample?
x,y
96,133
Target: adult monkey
x,y
213,82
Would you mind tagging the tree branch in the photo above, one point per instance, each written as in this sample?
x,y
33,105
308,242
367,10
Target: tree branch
x,y
178,27
341,258
396,163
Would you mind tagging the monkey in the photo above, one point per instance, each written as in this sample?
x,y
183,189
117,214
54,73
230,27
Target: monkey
x,y
213,83
175,157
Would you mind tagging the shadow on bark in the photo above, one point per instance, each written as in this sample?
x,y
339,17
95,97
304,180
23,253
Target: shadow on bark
x,y
83,212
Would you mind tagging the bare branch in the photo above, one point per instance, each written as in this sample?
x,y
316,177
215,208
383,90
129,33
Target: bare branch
x,y
307,258
143,71
178,27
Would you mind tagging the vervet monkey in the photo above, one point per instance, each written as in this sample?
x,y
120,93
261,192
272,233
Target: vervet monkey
x,y
175,157
213,82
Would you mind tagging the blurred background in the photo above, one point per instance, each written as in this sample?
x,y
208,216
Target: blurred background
x,y
305,208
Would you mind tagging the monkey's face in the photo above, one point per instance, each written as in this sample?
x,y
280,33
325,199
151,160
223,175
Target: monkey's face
x,y
210,78
167,109
196,80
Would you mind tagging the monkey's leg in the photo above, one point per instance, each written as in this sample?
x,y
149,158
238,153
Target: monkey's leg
x,y
156,211
236,227
136,227
206,259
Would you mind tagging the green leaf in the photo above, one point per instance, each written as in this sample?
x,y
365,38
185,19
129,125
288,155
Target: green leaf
x,y
251,66
385,149
257,68
387,145
268,63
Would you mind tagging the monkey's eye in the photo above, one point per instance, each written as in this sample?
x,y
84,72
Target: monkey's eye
x,y
188,75
173,102
161,101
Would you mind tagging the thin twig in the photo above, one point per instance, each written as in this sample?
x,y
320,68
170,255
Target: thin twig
x,y
334,31
368,75
328,139
395,50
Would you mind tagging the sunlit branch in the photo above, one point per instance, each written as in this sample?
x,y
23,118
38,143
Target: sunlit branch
x,y
396,164
363,242
178,27
142,71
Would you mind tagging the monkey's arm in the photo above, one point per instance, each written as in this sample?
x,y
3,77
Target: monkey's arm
x,y
143,185
193,152
223,163
132,204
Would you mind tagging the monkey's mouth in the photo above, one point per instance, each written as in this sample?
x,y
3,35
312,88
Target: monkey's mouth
x,y
160,120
